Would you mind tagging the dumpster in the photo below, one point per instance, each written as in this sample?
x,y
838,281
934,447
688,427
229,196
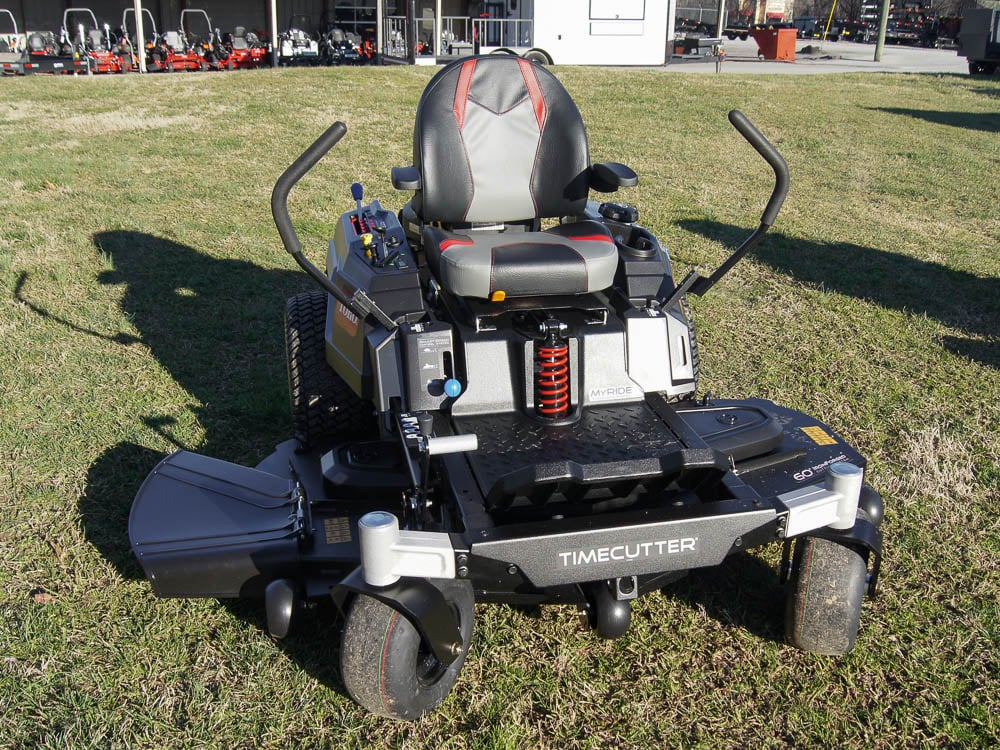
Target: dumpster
x,y
775,44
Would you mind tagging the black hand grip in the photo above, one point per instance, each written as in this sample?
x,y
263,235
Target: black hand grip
x,y
279,209
770,154
700,285
279,196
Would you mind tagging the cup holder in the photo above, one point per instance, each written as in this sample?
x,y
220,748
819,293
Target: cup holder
x,y
636,242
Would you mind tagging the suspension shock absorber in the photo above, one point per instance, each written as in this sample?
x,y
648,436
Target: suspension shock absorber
x,y
552,371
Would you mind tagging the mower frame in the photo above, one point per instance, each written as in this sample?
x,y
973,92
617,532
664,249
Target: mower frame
x,y
444,483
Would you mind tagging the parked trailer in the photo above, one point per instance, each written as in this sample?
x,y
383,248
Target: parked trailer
x,y
582,32
47,54
11,47
979,40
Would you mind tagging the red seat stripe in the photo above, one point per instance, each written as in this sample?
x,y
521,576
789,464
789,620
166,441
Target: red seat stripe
x,y
446,244
534,90
592,238
462,91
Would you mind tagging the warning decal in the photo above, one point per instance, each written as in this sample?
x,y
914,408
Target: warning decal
x,y
338,530
819,435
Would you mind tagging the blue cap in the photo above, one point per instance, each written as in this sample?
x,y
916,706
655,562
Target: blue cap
x,y
452,388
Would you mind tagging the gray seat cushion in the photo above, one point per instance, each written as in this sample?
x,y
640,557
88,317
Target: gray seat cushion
x,y
573,258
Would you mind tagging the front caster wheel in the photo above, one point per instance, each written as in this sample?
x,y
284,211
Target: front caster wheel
x,y
827,586
386,666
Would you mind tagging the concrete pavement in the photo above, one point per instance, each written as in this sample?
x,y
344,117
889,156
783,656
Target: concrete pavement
x,y
813,56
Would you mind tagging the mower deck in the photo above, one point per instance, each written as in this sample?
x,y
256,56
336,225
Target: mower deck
x,y
649,473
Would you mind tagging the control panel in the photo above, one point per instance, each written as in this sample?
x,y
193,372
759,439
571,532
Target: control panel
x,y
428,357
369,251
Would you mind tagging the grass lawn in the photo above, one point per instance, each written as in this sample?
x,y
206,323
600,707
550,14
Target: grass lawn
x,y
142,286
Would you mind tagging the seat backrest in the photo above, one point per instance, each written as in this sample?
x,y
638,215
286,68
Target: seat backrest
x,y
498,139
174,40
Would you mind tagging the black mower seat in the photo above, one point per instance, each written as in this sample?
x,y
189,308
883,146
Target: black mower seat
x,y
571,258
498,146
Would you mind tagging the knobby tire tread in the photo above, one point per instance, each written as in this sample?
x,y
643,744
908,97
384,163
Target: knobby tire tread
x,y
324,408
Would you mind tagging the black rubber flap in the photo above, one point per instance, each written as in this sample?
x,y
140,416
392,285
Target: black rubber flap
x,y
204,527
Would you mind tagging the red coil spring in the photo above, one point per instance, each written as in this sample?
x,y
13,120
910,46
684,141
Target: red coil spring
x,y
552,379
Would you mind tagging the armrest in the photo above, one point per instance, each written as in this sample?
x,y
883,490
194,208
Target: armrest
x,y
406,178
607,177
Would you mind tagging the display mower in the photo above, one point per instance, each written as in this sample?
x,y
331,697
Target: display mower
x,y
494,396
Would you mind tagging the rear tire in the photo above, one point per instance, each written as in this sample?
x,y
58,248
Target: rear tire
x,y
537,56
384,663
324,408
827,586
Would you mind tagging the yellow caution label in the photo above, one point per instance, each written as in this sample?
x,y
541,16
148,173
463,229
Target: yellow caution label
x,y
819,435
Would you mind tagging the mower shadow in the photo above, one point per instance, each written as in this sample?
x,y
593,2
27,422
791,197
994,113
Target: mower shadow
x,y
215,325
742,592
960,300
987,122
987,90
112,482
313,643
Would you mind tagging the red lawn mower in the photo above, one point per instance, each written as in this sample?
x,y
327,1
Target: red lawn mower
x,y
95,41
177,50
240,50
131,38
